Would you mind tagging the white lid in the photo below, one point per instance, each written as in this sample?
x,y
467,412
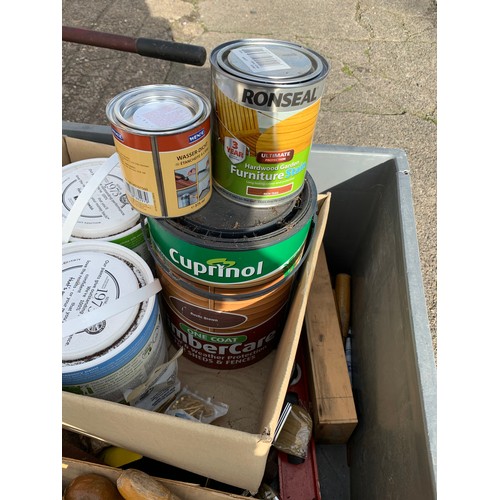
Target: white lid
x,y
108,211
92,279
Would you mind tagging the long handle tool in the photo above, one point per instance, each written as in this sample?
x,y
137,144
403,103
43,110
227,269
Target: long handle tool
x,y
148,47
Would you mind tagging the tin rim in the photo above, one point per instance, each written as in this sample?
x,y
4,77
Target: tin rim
x,y
312,66
291,217
182,109
236,221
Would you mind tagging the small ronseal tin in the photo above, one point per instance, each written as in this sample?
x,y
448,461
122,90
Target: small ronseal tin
x,y
266,97
162,136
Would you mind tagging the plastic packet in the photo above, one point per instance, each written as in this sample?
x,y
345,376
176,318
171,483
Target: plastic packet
x,y
192,406
266,493
159,389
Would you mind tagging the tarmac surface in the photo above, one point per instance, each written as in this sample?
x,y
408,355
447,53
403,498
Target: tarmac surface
x,y
380,92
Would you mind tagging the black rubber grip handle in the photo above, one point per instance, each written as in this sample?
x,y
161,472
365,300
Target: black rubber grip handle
x,y
172,51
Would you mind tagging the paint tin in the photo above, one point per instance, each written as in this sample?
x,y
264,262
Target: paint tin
x,y
266,98
108,215
122,350
227,273
221,329
226,244
162,134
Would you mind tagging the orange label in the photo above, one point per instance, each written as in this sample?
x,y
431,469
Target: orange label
x,y
170,182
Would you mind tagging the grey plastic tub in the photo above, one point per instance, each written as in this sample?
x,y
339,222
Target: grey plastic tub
x,y
371,235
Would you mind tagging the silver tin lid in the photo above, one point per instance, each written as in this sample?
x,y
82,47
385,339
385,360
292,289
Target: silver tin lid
x,y
157,109
269,61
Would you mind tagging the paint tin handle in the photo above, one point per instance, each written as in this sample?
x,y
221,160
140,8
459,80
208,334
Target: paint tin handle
x,y
86,320
216,296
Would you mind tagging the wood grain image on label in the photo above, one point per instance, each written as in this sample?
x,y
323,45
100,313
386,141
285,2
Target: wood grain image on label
x,y
236,120
251,311
295,132
291,133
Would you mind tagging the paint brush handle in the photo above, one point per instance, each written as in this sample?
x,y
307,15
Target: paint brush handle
x,y
343,295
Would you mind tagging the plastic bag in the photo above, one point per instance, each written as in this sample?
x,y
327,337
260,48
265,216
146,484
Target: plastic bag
x,y
160,388
192,406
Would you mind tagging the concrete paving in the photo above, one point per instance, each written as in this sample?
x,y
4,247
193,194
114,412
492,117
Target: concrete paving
x,y
381,89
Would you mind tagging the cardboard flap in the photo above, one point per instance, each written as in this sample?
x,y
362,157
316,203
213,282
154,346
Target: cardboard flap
x,y
281,372
206,449
78,149
187,491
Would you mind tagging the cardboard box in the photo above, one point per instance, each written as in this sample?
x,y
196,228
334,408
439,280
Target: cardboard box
x,y
73,468
233,450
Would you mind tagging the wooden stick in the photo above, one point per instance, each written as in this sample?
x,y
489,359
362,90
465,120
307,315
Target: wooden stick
x,y
343,296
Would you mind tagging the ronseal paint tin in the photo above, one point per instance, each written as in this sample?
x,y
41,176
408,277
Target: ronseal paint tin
x,y
266,97
120,352
162,134
227,273
108,215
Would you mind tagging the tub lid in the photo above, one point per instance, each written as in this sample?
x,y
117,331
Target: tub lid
x,y
92,279
270,61
108,211
223,218
158,108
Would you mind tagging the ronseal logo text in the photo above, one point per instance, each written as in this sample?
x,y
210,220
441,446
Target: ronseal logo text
x,y
264,99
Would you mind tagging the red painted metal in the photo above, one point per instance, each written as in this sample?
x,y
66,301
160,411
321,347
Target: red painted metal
x,y
300,481
99,39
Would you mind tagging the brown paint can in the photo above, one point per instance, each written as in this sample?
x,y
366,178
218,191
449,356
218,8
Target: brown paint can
x,y
227,276
220,327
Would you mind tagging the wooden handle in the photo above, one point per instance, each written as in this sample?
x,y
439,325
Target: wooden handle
x,y
343,295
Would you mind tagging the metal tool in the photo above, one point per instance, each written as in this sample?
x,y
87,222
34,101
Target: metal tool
x,y
299,481
147,47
